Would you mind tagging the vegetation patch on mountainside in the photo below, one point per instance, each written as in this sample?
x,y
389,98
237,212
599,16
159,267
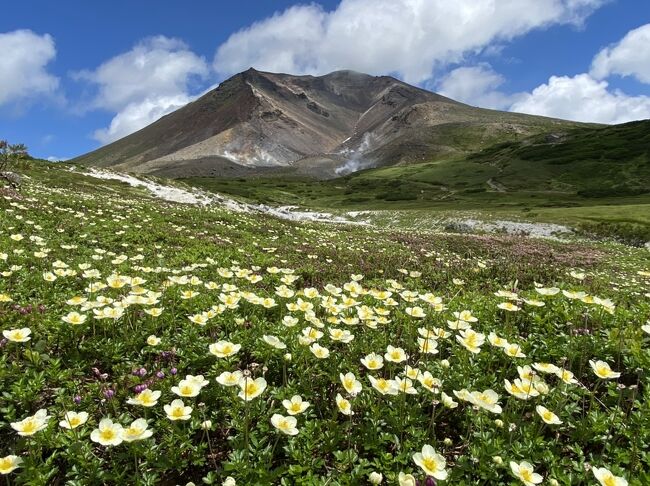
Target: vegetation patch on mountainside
x,y
596,179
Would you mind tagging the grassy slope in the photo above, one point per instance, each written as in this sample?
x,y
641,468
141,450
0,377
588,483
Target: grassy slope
x,y
590,176
78,217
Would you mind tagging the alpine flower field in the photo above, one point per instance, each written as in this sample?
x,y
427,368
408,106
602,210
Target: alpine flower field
x,y
146,342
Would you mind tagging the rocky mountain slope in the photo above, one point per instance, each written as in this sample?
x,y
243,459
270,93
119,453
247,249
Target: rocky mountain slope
x,y
258,123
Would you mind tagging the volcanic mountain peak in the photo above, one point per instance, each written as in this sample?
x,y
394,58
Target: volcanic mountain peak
x,y
323,126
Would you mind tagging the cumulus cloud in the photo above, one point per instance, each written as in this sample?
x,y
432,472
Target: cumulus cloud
x,y
588,97
143,84
410,38
475,85
628,57
137,115
579,98
582,98
24,60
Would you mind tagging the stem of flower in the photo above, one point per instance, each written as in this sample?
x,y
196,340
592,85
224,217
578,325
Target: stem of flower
x,y
246,424
350,442
135,464
401,417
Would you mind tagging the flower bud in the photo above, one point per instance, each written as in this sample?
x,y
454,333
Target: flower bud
x,y
444,363
447,441
206,425
497,460
406,480
375,478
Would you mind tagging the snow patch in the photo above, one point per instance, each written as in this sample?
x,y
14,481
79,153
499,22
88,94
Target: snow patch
x,y
197,197
167,193
535,230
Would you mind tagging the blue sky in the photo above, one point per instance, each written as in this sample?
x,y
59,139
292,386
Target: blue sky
x,y
77,74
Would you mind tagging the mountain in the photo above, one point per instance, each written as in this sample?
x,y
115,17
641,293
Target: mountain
x,y
259,123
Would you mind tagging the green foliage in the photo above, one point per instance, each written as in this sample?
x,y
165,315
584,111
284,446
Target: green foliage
x,y
604,170
11,152
84,232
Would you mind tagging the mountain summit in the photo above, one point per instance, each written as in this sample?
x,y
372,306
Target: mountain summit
x,y
258,123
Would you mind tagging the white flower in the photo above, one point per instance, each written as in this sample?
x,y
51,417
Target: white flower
x,y
177,410
186,388
547,416
384,386
606,478
74,318
108,433
9,464
395,355
251,388
18,335
524,472
72,420
487,399
372,361
345,407
30,425
286,425
153,340
224,349
602,370
296,405
319,351
274,341
432,463
146,398
230,379
350,383
138,430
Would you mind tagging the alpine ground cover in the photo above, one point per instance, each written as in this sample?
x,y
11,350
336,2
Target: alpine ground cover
x,y
156,343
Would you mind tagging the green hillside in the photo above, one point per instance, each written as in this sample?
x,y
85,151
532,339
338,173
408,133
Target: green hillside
x,y
592,162
149,342
546,177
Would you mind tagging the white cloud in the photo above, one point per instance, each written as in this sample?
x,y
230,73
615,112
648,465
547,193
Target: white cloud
x,y
582,98
628,57
137,115
23,64
408,37
53,158
475,85
587,97
143,84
